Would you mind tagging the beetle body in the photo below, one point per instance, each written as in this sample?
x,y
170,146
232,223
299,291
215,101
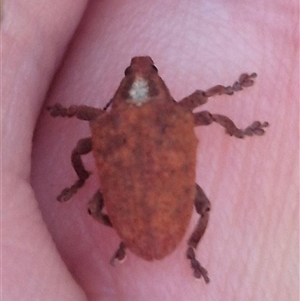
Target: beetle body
x,y
145,151
146,163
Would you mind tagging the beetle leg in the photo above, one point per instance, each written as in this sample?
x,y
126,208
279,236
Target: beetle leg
x,y
95,209
119,254
83,147
206,118
80,112
194,100
202,205
199,97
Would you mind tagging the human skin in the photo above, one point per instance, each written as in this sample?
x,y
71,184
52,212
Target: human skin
x,y
53,251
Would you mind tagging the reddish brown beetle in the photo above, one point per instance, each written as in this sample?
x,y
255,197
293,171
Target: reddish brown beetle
x,y
145,150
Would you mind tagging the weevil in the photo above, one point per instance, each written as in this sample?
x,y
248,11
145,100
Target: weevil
x,y
144,147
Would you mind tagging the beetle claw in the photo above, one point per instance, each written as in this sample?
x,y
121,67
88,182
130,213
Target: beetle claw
x,y
119,255
198,269
65,195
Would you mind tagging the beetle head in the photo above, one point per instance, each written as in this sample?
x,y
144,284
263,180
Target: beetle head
x,y
141,83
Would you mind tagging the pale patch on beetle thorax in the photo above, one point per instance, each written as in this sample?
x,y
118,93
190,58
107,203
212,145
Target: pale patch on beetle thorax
x,y
139,92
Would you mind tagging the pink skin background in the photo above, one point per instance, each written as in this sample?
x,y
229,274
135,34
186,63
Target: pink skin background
x,y
75,52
